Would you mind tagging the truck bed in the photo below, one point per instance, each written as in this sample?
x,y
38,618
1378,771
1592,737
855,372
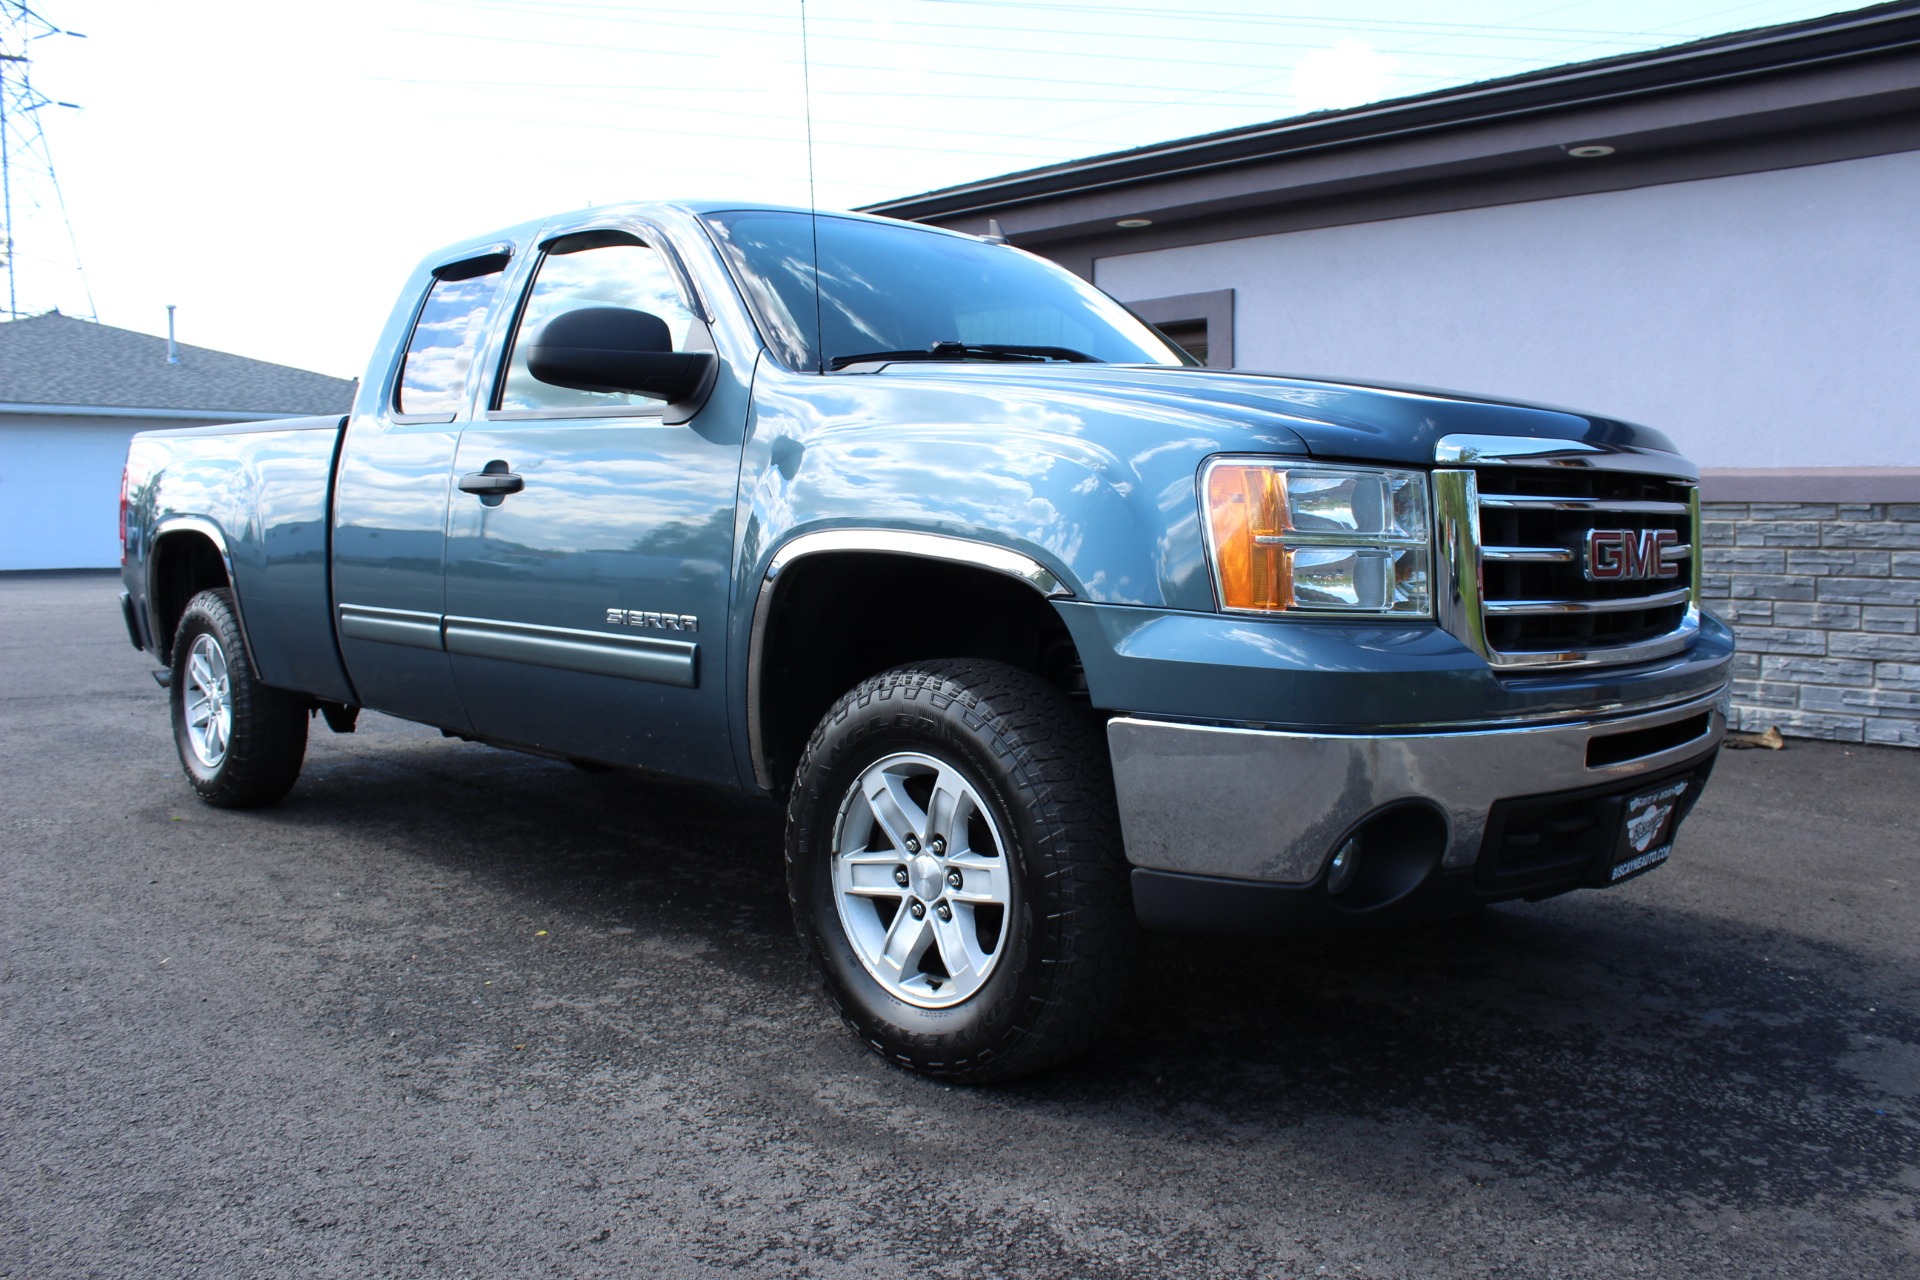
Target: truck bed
x,y
262,493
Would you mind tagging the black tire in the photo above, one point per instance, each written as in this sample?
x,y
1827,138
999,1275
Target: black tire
x,y
1037,767
257,760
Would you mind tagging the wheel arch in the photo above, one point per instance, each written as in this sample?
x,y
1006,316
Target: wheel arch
x,y
812,583
188,555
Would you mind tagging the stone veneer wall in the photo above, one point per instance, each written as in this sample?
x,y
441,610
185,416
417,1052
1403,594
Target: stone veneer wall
x,y
1825,600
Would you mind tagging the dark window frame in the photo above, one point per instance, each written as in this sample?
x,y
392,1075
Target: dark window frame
x,y
1214,309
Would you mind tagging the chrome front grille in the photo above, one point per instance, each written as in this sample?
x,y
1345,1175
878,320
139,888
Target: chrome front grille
x,y
1516,542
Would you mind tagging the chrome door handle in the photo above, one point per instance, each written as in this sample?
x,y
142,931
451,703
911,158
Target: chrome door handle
x,y
492,482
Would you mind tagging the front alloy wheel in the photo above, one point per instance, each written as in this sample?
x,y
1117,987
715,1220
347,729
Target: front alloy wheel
x,y
920,879
954,862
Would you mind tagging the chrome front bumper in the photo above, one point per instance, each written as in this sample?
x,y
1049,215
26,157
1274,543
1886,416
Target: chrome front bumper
x,y
1272,805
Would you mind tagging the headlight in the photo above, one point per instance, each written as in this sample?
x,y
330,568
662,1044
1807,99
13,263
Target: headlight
x,y
1316,539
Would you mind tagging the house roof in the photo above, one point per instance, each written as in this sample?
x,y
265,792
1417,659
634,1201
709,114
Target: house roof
x,y
57,360
1838,41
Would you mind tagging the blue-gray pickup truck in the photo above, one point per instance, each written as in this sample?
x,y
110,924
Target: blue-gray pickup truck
x,y
1043,633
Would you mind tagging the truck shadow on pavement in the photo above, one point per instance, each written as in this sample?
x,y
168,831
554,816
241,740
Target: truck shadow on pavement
x,y
1598,1043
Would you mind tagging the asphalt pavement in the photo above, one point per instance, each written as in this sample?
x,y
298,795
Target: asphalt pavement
x,y
451,1011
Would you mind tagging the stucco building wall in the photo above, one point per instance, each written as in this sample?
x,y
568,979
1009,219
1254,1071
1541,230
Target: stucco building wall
x,y
1761,320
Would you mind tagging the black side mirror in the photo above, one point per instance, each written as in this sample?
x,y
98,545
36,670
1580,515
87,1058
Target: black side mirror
x,y
617,350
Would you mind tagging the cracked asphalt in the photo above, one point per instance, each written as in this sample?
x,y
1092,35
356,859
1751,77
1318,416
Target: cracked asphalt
x,y
450,1011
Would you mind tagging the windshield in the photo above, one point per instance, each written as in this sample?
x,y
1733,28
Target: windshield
x,y
895,291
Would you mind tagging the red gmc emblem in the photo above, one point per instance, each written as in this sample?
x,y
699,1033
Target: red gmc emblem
x,y
1630,555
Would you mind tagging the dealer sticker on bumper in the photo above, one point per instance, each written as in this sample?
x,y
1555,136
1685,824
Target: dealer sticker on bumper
x,y
1649,833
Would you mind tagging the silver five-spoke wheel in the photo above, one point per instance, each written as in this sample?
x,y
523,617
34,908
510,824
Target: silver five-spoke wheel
x,y
209,701
920,879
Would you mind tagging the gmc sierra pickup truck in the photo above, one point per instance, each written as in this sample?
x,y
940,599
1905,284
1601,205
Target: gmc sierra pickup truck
x,y
1043,633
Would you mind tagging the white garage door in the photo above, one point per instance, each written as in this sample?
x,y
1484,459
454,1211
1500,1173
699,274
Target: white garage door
x,y
60,491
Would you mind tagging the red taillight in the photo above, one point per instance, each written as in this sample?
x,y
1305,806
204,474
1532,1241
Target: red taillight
x,y
123,513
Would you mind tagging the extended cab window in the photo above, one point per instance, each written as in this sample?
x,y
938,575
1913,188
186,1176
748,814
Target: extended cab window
x,y
595,269
433,379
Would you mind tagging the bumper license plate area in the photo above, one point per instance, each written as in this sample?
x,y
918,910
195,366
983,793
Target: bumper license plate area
x,y
1647,827
1539,846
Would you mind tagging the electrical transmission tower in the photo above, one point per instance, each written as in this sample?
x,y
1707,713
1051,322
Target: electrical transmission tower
x,y
33,213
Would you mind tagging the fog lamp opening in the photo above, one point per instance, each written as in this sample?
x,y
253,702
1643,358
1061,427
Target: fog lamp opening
x,y
1344,867
1389,855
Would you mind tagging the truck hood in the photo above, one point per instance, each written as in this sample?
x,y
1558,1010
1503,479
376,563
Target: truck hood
x,y
1327,419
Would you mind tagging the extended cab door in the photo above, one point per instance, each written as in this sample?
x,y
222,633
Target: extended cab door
x,y
586,608
391,493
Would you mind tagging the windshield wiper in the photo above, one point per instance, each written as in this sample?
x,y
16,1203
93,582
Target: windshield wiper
x,y
1005,352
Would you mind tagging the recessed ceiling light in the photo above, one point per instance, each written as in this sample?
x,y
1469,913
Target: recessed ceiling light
x,y
1592,152
1134,222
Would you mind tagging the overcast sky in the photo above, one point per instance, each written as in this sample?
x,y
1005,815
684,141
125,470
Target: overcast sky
x,y
275,169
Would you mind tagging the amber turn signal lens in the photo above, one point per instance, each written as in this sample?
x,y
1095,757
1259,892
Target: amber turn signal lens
x,y
1246,504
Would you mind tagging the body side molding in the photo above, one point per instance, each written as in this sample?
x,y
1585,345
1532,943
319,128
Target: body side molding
x,y
647,658
407,627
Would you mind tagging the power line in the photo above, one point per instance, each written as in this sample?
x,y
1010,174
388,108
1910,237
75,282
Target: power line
x,y
505,85
23,146
1047,157
1155,55
1255,92
837,66
1314,22
678,108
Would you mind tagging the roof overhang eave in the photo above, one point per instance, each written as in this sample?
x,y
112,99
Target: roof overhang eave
x,y
1846,37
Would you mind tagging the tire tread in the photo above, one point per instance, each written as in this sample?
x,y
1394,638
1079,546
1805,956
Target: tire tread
x,y
1054,753
269,742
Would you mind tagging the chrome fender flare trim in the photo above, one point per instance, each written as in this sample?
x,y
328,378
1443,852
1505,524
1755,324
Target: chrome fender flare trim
x,y
214,534
900,542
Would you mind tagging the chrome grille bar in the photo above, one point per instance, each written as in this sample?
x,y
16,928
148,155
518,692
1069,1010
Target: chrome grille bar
x,y
1636,506
1621,605
1528,555
1480,606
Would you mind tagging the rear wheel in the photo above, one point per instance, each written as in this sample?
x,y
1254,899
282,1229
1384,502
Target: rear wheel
x,y
240,741
956,872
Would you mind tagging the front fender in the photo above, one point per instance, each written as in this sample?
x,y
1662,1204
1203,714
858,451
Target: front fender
x,y
1100,491
1075,496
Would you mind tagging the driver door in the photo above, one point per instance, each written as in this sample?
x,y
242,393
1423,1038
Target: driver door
x,y
586,611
